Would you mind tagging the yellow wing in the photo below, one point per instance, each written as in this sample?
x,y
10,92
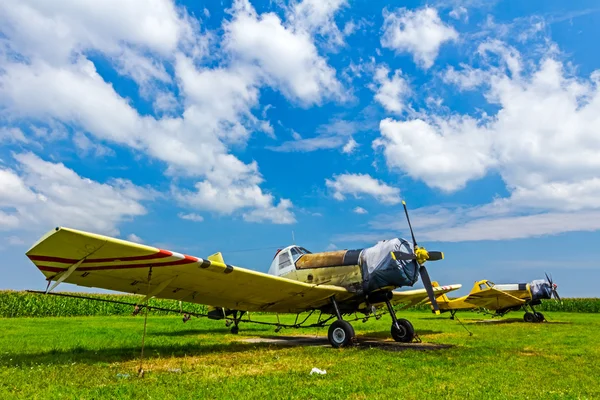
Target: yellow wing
x,y
409,298
493,299
91,260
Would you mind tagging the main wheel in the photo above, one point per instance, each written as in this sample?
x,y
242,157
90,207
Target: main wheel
x,y
539,317
340,334
529,317
404,333
235,330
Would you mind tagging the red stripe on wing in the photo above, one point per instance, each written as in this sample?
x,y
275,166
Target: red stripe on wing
x,y
159,254
186,260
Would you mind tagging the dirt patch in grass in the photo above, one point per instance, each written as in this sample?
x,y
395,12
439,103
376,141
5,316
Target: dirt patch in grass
x,y
362,343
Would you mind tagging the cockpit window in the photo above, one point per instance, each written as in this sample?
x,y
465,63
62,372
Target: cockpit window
x,y
296,253
303,250
482,286
284,260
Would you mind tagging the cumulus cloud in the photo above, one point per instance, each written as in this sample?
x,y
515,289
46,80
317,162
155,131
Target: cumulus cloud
x,y
194,136
420,32
390,92
362,184
288,58
317,17
359,210
542,142
39,195
349,146
451,151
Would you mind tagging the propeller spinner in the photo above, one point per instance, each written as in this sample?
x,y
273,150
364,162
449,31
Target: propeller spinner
x,y
421,255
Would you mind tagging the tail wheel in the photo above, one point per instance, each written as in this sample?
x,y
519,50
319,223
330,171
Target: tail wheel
x,y
529,317
405,332
235,330
539,317
341,334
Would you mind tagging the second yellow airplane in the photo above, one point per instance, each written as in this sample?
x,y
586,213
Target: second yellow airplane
x,y
504,298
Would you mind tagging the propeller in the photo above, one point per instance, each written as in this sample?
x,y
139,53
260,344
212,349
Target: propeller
x,y
553,288
421,255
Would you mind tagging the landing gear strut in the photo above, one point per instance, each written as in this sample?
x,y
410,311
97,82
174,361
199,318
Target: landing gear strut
x,y
402,329
341,333
236,321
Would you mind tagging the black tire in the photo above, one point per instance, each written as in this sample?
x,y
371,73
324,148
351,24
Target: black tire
x,y
529,317
539,317
235,330
340,334
405,334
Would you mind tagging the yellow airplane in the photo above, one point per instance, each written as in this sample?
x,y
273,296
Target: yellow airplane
x,y
503,298
335,283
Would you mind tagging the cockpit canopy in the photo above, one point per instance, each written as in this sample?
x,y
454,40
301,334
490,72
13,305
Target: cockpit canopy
x,y
284,259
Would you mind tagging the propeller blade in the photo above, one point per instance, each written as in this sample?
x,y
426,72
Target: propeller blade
x,y
548,278
435,256
429,288
399,255
556,296
409,225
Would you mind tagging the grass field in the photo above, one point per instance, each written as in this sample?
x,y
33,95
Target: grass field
x,y
98,357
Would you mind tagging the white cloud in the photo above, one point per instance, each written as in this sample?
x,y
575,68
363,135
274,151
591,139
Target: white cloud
x,y
54,31
419,32
191,217
445,153
349,146
132,237
12,135
542,141
360,210
390,93
217,103
225,198
459,12
310,144
40,195
359,184
288,58
86,146
317,17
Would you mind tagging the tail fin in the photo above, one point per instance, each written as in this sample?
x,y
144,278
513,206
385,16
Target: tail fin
x,y
441,298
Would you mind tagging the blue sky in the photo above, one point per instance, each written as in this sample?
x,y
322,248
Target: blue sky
x,y
226,126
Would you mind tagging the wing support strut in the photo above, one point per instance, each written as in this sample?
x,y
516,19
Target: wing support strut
x,y
157,289
65,274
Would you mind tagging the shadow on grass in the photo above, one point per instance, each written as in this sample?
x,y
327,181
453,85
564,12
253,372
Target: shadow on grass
x,y
83,355
512,321
387,334
223,331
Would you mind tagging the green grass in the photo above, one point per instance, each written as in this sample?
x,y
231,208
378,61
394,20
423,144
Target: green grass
x,y
97,357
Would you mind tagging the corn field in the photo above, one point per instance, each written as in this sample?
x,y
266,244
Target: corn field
x,y
24,304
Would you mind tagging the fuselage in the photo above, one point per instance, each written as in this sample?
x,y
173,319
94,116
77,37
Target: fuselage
x,y
339,268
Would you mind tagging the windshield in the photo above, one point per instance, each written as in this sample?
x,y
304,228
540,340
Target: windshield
x,y
296,253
